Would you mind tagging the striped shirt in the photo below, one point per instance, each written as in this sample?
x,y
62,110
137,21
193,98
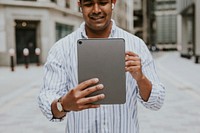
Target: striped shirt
x,y
61,76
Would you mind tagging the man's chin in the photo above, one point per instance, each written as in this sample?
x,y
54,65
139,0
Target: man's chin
x,y
97,27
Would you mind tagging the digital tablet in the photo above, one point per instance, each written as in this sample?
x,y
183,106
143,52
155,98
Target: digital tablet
x,y
104,59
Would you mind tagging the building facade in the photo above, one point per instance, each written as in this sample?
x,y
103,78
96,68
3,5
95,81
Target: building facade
x,y
189,28
166,24
144,20
39,24
155,21
138,18
34,24
123,14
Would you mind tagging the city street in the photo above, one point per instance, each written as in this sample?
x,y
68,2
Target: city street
x,y
181,110
19,112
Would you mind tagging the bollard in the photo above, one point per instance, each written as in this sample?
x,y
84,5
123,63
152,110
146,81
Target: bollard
x,y
37,53
12,54
197,59
26,54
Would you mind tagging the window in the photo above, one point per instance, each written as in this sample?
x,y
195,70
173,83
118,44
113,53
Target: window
x,y
67,3
62,30
53,1
166,29
166,5
27,0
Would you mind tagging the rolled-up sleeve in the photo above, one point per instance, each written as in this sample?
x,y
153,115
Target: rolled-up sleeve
x,y
54,83
157,95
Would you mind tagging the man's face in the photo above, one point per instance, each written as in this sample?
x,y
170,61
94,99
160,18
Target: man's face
x,y
97,13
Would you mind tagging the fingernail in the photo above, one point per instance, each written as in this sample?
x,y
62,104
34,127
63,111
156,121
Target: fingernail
x,y
100,86
96,80
102,96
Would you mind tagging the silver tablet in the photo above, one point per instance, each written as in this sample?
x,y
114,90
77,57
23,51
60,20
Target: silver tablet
x,y
104,59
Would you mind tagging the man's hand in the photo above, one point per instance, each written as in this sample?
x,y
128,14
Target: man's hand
x,y
134,65
77,100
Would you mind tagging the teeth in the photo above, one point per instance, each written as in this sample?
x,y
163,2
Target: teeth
x,y
97,18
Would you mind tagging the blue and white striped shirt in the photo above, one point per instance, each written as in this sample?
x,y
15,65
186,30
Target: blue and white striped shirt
x,y
61,76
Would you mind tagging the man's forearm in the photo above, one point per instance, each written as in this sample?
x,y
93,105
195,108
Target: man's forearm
x,y
145,88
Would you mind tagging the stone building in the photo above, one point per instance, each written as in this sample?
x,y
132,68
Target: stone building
x,y
166,24
189,28
155,22
40,23
123,14
34,24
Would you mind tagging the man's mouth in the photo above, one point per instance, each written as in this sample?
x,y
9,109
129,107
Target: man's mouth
x,y
96,17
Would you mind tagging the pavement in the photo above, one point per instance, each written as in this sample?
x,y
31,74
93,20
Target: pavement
x,y
19,112
181,110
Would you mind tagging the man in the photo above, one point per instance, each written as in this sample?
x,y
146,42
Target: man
x,y
62,96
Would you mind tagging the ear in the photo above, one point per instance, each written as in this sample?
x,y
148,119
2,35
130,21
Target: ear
x,y
113,6
114,1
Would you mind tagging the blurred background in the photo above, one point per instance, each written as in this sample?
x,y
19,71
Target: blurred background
x,y
170,28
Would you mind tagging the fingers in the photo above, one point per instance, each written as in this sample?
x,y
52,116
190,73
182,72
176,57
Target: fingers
x,y
89,100
130,56
88,106
87,103
92,89
132,59
133,62
129,53
133,69
87,83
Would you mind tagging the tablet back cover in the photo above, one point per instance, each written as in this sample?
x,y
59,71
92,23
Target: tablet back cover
x,y
104,59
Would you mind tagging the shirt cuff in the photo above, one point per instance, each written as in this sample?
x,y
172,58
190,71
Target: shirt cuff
x,y
49,114
156,97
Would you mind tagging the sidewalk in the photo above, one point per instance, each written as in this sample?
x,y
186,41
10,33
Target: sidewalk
x,y
181,110
184,71
19,112
11,83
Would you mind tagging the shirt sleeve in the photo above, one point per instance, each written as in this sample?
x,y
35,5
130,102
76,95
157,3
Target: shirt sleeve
x,y
54,83
157,95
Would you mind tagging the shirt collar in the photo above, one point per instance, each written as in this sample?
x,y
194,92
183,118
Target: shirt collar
x,y
83,32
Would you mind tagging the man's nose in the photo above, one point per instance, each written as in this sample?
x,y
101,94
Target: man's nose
x,y
96,8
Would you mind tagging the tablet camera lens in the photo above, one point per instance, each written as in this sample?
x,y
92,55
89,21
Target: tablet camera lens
x,y
80,42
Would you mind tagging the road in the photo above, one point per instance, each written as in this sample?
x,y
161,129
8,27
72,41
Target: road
x,y
19,112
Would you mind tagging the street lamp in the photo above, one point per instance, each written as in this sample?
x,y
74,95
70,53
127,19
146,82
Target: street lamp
x,y
26,54
37,53
12,54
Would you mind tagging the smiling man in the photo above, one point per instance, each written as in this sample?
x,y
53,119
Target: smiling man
x,y
62,97
97,16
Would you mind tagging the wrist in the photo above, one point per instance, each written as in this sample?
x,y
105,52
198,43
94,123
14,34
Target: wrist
x,y
55,112
60,105
141,79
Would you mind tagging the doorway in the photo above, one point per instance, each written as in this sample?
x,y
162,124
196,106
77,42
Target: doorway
x,y
26,36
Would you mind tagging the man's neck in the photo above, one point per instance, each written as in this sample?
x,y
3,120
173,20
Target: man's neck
x,y
99,34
